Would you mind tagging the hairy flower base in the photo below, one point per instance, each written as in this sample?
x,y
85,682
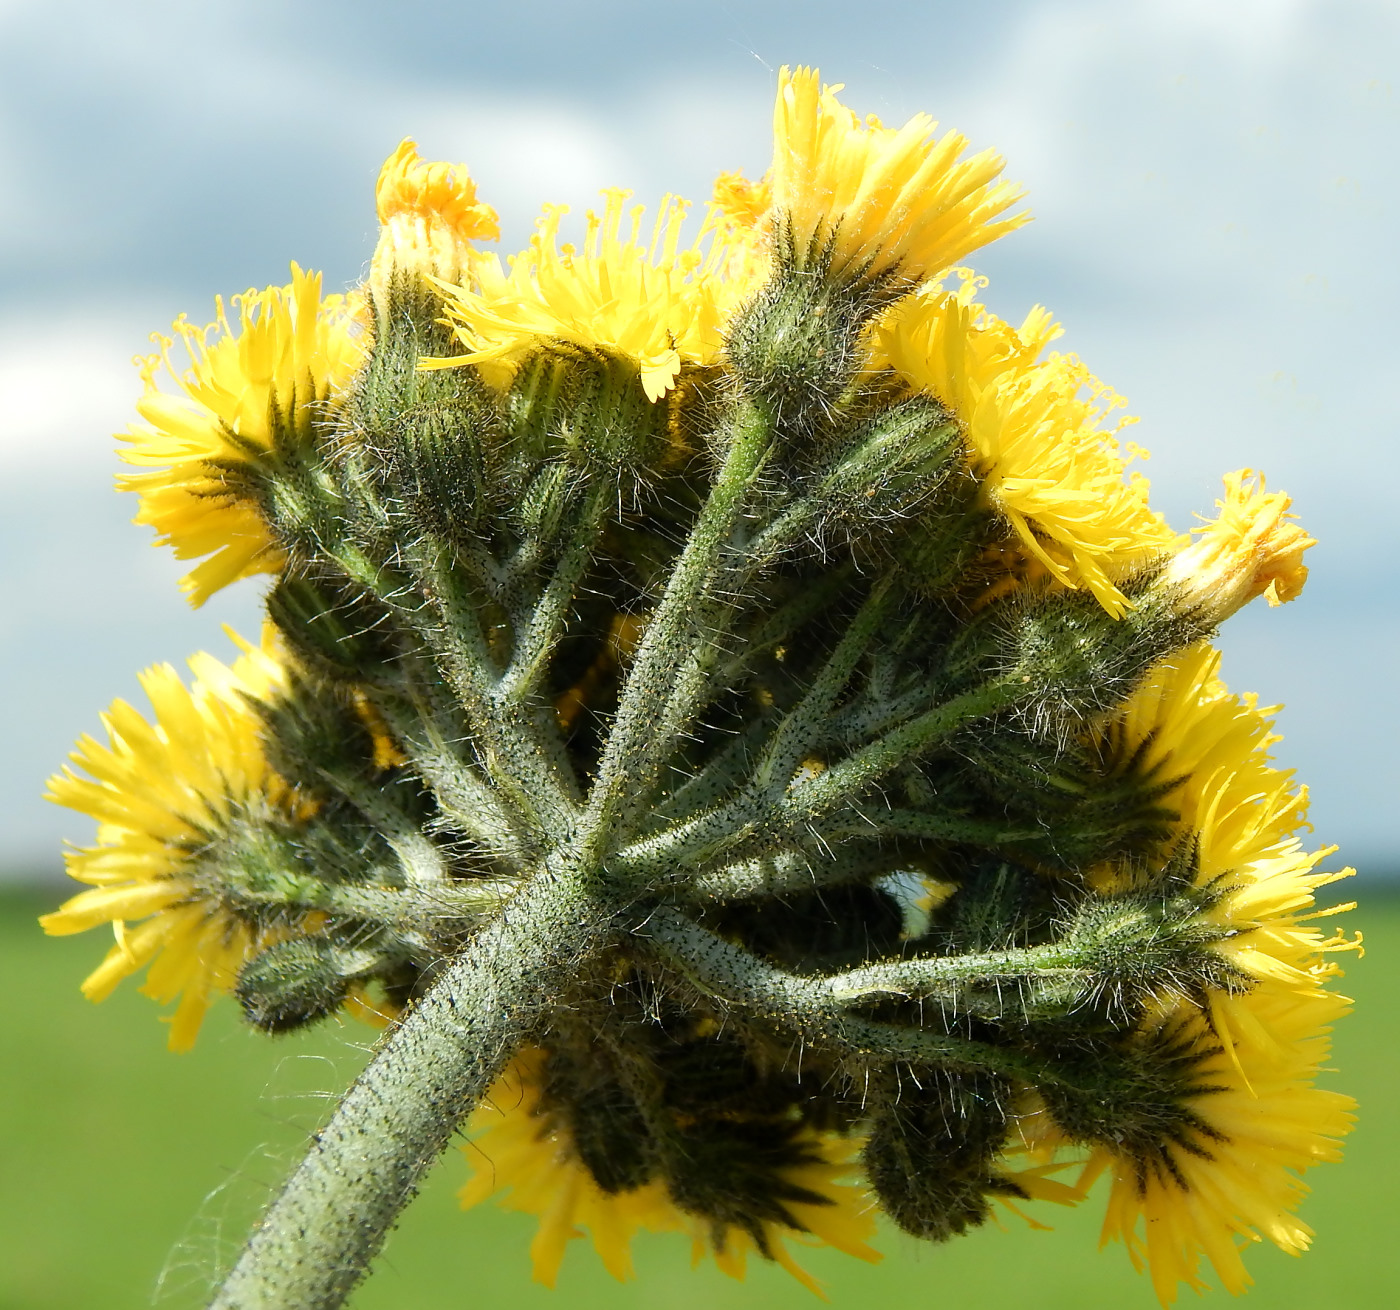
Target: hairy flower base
x,y
1240,1181
518,1150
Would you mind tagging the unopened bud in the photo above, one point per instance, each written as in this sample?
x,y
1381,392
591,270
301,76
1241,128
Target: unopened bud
x,y
298,981
1253,549
430,216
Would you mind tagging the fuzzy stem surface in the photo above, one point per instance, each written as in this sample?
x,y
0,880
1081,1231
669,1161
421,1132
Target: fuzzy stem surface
x,y
317,1239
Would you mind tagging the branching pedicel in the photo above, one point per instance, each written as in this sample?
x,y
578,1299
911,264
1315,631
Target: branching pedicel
x,y
729,692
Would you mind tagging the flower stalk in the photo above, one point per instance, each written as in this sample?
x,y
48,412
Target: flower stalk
x,y
317,1239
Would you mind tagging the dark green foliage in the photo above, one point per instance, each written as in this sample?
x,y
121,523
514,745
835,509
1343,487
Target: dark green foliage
x,y
1133,1094
818,931
333,627
656,1094
607,1127
314,733
736,1174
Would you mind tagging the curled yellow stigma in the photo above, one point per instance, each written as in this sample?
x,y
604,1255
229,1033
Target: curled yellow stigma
x,y
876,200
738,202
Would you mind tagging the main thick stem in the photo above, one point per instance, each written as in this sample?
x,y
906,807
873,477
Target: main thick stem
x,y
317,1239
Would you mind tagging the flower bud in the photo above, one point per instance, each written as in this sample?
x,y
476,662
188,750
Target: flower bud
x,y
430,216
296,982
1252,549
931,1152
334,629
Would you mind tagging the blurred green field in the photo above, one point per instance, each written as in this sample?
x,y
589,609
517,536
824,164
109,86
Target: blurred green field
x,y
127,1174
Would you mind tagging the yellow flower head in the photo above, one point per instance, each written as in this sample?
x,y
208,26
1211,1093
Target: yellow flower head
x,y
1035,430
1253,549
160,790
519,1148
1243,815
875,200
286,353
1260,1121
648,299
430,217
1233,1178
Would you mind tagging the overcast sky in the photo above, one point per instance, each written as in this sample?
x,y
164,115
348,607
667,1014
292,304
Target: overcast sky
x,y
1214,183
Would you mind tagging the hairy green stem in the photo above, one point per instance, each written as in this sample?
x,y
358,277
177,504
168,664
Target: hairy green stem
x,y
651,713
800,730
317,1239
811,1007
540,629
755,816
783,873
519,764
432,731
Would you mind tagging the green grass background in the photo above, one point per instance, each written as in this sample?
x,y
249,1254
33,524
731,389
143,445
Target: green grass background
x,y
127,1173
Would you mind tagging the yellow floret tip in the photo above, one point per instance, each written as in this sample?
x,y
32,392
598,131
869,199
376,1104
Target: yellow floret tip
x,y
874,200
738,202
642,296
441,192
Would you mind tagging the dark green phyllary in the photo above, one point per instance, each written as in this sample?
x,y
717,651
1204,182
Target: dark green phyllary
x,y
730,693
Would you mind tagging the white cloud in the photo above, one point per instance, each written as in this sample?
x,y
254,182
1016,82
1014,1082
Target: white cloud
x,y
65,387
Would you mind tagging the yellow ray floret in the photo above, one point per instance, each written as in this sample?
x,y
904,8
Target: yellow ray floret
x,y
647,299
160,790
875,200
278,356
736,202
1263,1123
1252,549
520,1151
430,216
1243,814
1035,431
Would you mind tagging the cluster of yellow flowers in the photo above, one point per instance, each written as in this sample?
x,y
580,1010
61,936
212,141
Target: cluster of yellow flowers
x,y
864,203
